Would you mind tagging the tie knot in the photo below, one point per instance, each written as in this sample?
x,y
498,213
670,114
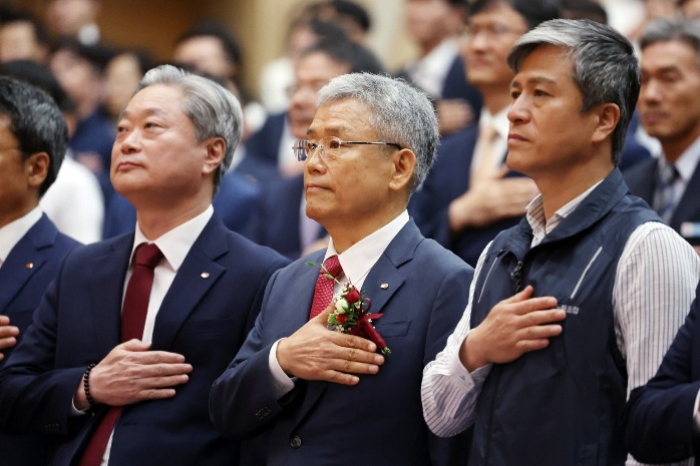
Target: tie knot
x,y
148,255
668,172
332,266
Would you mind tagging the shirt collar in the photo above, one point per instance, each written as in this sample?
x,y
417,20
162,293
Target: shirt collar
x,y
688,161
542,226
176,243
357,260
14,231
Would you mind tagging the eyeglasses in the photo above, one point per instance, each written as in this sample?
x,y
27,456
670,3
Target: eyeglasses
x,y
328,147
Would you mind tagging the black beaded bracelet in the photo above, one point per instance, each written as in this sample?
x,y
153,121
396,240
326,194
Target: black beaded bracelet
x,y
86,386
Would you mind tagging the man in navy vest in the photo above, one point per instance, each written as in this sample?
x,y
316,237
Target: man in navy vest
x,y
576,305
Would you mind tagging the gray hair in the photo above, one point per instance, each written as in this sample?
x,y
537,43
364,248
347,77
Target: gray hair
x,y
605,67
398,112
214,111
667,30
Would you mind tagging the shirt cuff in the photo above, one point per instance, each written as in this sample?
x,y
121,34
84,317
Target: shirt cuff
x,y
696,414
283,384
75,411
457,371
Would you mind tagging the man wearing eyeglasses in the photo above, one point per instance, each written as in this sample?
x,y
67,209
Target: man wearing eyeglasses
x,y
321,397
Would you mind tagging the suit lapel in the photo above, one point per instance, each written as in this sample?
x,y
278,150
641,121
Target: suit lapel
x,y
198,273
25,260
383,280
688,207
106,291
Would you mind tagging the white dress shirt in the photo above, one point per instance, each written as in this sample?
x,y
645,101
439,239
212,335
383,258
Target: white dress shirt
x,y
74,202
654,285
14,231
499,145
175,245
356,262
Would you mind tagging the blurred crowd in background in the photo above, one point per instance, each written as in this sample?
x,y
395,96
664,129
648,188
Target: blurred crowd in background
x,y
262,194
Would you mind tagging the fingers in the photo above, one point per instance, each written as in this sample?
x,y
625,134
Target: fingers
x,y
166,382
157,394
526,293
134,345
351,341
158,357
4,320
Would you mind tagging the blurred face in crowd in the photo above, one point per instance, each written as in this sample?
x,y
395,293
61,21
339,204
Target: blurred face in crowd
x,y
206,55
691,9
429,21
76,75
312,73
68,16
669,99
18,41
123,75
492,33
346,190
156,158
548,132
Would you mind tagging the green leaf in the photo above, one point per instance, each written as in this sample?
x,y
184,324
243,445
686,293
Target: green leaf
x,y
311,264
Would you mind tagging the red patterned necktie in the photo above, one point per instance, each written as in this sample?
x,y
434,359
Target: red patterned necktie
x,y
323,293
134,311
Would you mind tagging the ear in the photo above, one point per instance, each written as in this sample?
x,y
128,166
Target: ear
x,y
404,164
216,148
607,117
36,168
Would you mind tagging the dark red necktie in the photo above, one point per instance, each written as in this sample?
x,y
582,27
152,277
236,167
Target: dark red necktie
x,y
323,293
134,311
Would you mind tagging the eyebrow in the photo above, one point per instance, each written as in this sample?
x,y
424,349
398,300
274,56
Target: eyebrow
x,y
336,130
533,81
148,112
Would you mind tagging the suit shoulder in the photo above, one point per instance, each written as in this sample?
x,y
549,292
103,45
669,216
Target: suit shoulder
x,y
640,172
430,253
246,251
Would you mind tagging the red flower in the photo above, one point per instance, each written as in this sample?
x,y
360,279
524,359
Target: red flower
x,y
341,318
353,296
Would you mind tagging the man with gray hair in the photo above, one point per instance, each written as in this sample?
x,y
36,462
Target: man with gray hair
x,y
128,339
319,396
669,109
576,305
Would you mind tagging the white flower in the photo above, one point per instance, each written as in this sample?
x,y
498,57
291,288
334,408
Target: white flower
x,y
341,306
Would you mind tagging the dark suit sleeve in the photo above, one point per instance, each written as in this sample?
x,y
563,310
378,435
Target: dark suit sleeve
x,y
242,400
34,395
659,417
451,300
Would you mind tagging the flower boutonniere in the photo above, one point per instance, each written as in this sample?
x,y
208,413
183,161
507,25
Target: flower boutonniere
x,y
351,314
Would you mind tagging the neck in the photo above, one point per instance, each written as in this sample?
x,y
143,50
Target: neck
x,y
560,188
155,221
345,234
674,147
19,211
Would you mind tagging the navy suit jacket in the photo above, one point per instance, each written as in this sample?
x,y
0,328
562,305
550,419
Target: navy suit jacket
x,y
21,287
422,290
234,203
205,316
262,150
641,179
276,221
659,417
448,180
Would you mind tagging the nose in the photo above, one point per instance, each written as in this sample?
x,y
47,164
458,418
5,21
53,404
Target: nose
x,y
130,143
314,163
519,111
650,91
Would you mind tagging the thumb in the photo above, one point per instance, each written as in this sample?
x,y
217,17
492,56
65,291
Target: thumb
x,y
135,345
322,318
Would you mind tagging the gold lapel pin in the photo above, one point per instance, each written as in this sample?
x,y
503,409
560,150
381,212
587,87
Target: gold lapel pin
x,y
29,265
384,286
205,275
